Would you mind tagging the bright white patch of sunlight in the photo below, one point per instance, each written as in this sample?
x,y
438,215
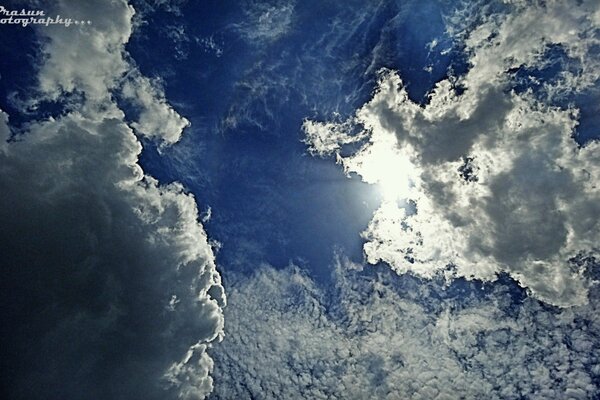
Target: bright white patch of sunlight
x,y
381,163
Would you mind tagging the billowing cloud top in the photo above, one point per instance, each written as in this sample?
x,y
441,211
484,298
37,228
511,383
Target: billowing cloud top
x,y
484,179
109,287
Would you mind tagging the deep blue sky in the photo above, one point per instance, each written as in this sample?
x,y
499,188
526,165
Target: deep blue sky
x,y
270,201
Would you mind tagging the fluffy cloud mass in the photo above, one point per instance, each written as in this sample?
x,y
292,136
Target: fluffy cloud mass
x,y
485,178
109,287
389,337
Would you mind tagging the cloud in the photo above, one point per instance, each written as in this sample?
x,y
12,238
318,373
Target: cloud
x,y
383,336
492,180
266,22
4,129
88,58
157,119
521,36
92,60
109,285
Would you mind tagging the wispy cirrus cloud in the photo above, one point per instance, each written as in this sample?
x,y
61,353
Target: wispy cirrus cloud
x,y
266,22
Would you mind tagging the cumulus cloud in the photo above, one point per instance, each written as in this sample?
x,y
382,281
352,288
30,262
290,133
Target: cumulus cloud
x,y
389,337
157,119
491,180
109,286
88,58
93,61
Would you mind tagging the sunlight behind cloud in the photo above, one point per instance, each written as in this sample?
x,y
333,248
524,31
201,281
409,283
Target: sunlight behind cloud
x,y
493,173
381,163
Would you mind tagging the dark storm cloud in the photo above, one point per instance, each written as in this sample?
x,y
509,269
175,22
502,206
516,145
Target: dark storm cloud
x,y
92,255
109,288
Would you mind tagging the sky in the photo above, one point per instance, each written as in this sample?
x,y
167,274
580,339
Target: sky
x,y
300,199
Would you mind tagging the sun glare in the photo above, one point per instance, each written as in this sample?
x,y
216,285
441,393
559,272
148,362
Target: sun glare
x,y
383,165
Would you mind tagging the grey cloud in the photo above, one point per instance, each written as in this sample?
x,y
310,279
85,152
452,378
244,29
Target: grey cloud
x,y
441,132
109,285
92,251
4,129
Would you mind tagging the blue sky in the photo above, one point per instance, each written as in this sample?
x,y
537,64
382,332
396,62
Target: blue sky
x,y
268,200
254,172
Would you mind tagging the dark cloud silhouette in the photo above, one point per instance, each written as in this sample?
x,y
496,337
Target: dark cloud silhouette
x,y
109,288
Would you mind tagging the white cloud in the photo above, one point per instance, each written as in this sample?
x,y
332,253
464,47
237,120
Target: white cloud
x,y
207,214
493,179
157,120
520,37
193,375
266,22
87,58
389,337
327,138
94,251
91,59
